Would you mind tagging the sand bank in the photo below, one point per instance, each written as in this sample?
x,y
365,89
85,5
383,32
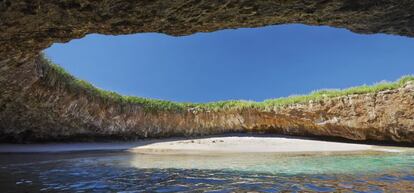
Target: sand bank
x,y
258,145
223,144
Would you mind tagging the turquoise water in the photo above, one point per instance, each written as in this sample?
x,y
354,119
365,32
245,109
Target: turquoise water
x,y
132,172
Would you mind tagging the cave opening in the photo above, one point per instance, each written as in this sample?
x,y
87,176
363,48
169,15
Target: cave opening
x,y
247,63
43,102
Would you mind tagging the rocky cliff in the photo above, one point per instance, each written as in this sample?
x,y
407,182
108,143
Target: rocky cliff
x,y
36,104
43,106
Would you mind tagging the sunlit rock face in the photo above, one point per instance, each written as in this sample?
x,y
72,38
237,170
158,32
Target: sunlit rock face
x,y
36,105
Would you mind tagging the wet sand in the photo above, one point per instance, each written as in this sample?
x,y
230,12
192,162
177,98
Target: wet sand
x,y
221,144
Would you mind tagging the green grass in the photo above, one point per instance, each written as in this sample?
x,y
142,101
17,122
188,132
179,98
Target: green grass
x,y
153,105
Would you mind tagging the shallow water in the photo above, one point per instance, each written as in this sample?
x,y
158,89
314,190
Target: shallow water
x,y
132,172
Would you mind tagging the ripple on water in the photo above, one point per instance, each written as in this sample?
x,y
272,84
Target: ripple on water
x,y
124,172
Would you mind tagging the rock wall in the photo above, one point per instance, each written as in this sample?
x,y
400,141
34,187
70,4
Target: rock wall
x,y
35,105
43,107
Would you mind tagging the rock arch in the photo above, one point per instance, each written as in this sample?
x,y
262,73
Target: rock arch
x,y
37,104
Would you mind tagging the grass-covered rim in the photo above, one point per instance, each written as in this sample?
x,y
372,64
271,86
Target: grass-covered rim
x,y
57,72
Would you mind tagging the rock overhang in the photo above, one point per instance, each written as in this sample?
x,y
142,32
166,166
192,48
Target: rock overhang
x,y
35,103
29,26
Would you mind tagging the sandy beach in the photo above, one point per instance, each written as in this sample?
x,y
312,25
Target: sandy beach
x,y
220,144
257,145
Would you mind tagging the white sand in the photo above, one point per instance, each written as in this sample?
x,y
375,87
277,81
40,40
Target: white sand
x,y
256,145
225,144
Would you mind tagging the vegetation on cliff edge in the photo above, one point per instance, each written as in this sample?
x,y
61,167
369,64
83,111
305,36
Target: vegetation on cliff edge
x,y
58,73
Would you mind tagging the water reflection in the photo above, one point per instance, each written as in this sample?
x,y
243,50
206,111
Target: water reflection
x,y
129,172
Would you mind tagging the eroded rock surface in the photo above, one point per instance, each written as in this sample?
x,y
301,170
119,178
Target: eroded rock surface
x,y
36,105
29,26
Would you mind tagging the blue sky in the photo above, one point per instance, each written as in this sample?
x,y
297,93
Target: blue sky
x,y
251,64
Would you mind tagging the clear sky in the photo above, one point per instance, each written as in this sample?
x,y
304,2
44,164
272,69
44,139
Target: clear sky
x,y
251,64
